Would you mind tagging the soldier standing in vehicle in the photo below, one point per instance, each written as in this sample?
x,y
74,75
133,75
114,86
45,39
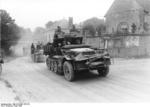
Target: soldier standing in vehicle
x,y
58,32
58,29
73,29
32,48
38,47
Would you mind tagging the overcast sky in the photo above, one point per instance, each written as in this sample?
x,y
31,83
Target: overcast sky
x,y
33,13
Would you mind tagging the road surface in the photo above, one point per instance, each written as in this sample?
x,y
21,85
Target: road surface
x,y
25,81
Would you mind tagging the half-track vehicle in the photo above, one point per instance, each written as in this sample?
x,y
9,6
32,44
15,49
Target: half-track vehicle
x,y
37,54
67,55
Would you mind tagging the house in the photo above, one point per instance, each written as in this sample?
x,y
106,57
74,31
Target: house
x,y
128,16
127,29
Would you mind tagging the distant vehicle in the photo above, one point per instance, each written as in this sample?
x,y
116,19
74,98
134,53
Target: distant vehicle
x,y
37,54
67,55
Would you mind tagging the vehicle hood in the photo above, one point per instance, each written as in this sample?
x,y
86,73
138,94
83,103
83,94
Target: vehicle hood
x,y
80,50
75,46
80,54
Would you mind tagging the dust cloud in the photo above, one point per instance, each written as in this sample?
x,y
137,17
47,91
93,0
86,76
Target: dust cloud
x,y
22,48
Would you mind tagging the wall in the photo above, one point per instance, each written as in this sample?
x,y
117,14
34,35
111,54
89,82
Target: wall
x,y
134,14
123,46
95,42
129,17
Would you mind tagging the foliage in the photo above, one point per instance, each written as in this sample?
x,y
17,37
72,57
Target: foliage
x,y
9,31
49,24
39,30
94,25
38,34
89,29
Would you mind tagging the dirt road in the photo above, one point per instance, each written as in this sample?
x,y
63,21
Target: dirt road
x,y
25,81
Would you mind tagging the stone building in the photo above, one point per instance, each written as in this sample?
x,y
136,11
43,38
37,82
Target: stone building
x,y
127,29
128,16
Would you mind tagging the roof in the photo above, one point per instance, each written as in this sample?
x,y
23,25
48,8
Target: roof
x,y
127,5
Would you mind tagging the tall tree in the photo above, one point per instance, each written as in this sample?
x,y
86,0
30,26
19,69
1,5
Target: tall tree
x,y
38,34
94,25
49,24
9,31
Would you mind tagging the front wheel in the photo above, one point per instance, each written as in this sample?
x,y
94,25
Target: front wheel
x,y
103,72
68,71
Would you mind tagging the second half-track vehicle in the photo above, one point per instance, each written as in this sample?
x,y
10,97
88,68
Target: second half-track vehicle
x,y
67,55
37,54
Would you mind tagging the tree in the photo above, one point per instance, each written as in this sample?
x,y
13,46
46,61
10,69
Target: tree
x,y
9,31
90,29
49,24
101,29
94,25
38,34
39,30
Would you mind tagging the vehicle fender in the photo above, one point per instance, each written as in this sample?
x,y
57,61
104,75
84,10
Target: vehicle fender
x,y
67,58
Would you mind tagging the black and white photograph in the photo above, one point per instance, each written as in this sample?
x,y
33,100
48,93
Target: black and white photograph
x,y
74,51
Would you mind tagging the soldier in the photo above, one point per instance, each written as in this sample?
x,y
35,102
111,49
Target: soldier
x,y
58,32
47,48
73,29
32,48
1,62
58,29
38,46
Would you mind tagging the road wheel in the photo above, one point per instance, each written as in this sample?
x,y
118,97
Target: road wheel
x,y
68,71
0,69
55,68
103,72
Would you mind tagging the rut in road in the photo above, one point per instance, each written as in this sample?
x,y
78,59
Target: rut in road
x,y
8,85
